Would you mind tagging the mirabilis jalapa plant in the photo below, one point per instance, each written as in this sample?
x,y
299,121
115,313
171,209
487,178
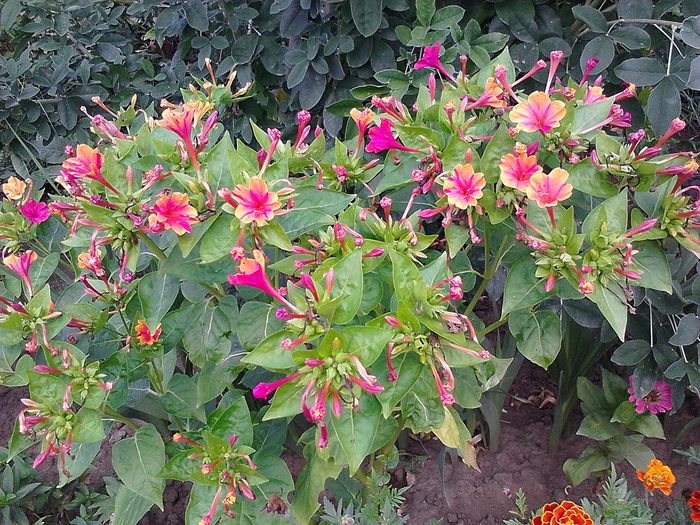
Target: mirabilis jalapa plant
x,y
221,291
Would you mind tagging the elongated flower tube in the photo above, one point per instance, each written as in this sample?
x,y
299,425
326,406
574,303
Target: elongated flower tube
x,y
555,58
87,163
363,119
430,58
676,126
20,264
382,139
492,96
263,390
251,272
181,121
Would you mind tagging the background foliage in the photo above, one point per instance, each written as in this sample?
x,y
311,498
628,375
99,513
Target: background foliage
x,y
55,56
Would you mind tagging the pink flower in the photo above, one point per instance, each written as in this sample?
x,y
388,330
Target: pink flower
x,y
263,390
251,272
173,212
20,265
538,113
463,187
657,401
518,167
381,138
548,189
35,211
431,58
254,202
180,122
87,163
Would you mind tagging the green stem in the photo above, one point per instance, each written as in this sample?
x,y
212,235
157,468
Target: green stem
x,y
152,246
488,271
113,414
214,290
493,326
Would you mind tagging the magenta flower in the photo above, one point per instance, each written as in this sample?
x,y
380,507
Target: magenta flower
x,y
35,211
657,401
431,58
381,138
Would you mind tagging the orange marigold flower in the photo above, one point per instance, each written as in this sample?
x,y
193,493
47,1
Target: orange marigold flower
x,y
538,113
548,189
694,504
518,167
463,187
173,212
144,334
14,188
564,513
657,476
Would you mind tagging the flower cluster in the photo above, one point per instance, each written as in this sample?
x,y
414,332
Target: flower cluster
x,y
225,463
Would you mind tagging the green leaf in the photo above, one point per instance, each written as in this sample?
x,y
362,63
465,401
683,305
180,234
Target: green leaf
x,y
138,460
9,13
632,37
157,293
585,177
522,287
234,419
630,353
355,431
588,116
270,355
208,338
88,426
601,47
346,294
311,482
286,401
256,322
592,459
500,144
366,342
451,15
612,211
425,9
644,71
218,240
421,407
197,15
407,278
663,105
454,434
612,304
273,234
80,458
653,265
181,398
593,18
538,335
687,332
648,425
367,16
408,369
129,507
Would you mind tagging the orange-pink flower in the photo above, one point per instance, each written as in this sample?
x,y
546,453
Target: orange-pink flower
x,y
87,163
251,272
548,189
144,334
181,122
538,113
20,265
492,96
463,187
253,202
518,167
172,211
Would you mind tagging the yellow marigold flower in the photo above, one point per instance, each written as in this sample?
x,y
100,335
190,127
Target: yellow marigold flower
x,y
657,476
